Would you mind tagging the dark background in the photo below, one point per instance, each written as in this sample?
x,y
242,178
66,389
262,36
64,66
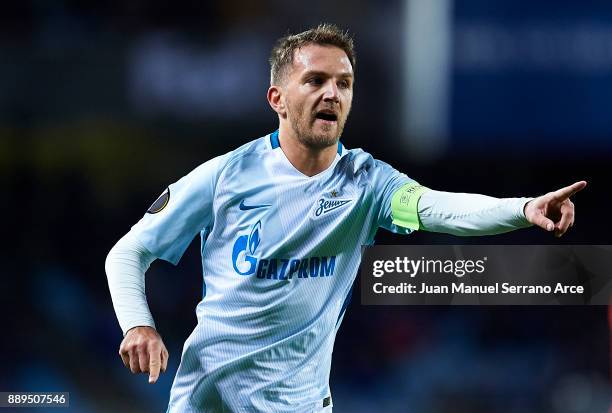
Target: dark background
x,y
103,105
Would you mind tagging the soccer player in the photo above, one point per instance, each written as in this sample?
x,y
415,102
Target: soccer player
x,y
282,220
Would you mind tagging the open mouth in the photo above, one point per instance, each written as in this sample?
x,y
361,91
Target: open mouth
x,y
328,116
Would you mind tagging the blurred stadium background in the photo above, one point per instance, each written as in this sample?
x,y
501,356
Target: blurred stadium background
x,y
102,105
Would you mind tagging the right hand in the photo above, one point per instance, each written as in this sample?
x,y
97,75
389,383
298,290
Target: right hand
x,y
143,351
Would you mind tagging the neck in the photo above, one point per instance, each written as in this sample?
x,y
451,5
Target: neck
x,y
309,161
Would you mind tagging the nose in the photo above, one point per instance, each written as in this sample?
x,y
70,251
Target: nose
x,y
330,93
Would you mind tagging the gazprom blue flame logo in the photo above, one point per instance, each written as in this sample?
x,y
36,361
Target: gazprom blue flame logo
x,y
244,248
254,238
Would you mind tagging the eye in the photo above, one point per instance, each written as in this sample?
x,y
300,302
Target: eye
x,y
344,84
317,81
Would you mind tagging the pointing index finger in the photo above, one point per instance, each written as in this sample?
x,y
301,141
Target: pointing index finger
x,y
568,191
154,365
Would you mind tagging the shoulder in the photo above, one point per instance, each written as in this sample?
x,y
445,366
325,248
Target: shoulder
x,y
215,167
253,149
361,163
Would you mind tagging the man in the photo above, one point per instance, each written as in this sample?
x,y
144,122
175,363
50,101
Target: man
x,y
282,220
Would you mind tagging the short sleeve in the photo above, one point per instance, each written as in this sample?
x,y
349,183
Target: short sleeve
x,y
183,210
385,181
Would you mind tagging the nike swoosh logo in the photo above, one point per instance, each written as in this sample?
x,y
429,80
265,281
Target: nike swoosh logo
x,y
244,207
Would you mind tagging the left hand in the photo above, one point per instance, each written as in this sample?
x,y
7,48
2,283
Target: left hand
x,y
554,210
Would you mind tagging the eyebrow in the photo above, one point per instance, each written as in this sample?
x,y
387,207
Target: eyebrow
x,y
326,74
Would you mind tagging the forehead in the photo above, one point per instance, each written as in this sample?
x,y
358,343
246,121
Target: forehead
x,y
323,58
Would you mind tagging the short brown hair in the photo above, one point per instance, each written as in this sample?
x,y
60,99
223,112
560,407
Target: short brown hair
x,y
324,34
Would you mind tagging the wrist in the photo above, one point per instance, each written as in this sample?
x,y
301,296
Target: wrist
x,y
139,328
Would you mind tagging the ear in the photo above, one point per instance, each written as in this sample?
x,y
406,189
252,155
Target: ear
x,y
276,101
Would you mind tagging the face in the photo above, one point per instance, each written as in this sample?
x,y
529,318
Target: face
x,y
318,92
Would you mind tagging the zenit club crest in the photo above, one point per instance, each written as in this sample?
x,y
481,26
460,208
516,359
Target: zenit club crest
x,y
325,205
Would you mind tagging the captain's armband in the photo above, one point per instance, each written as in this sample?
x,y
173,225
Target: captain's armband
x,y
404,205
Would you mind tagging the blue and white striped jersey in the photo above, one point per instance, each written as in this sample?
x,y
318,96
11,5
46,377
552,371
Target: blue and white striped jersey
x,y
280,252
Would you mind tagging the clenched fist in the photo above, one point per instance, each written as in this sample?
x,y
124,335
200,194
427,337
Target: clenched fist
x,y
143,351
